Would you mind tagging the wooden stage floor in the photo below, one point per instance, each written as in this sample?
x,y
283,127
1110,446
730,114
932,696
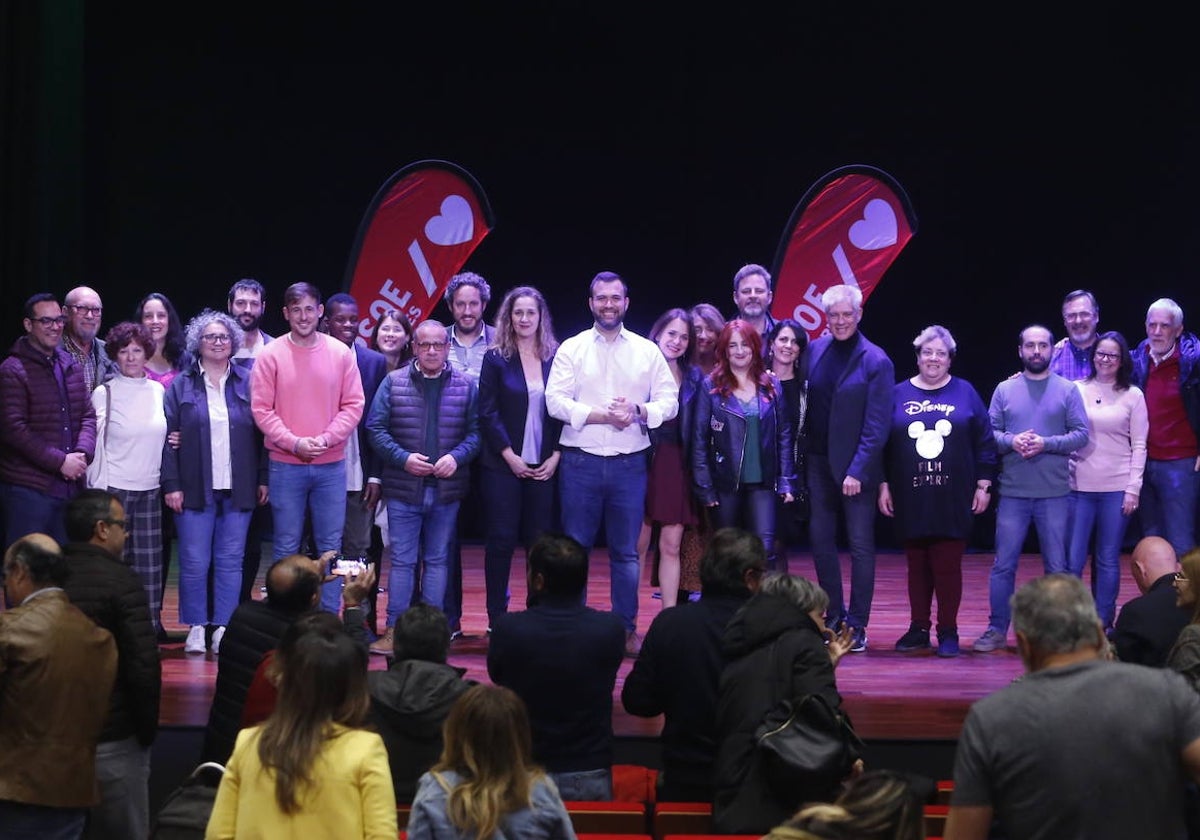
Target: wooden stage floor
x,y
890,696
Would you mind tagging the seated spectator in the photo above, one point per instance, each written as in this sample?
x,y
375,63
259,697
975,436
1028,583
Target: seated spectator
x,y
293,589
311,770
1184,656
679,669
879,805
776,650
486,784
561,658
410,700
1149,624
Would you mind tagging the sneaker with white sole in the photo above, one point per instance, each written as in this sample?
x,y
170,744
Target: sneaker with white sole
x,y
218,635
195,640
858,640
992,639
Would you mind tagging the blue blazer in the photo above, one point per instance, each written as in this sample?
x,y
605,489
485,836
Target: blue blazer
x,y
372,369
503,404
860,416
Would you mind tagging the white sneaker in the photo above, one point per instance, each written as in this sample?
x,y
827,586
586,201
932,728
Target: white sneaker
x,y
195,640
218,635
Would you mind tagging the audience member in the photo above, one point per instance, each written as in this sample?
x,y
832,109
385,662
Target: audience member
x,y
1079,746
609,386
941,467
82,309
1072,356
486,784
57,670
1038,420
411,699
307,397
877,805
679,670
425,428
293,590
1148,625
110,593
561,658
752,297
519,454
1166,366
312,769
776,648
850,384
42,459
1184,656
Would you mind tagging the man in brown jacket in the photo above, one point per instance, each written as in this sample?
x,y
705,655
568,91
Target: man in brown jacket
x,y
56,674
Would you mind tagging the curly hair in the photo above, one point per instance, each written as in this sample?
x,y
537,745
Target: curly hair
x,y
198,325
125,333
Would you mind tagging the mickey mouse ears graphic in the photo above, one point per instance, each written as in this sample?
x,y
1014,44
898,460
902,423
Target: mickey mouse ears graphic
x,y
418,231
848,228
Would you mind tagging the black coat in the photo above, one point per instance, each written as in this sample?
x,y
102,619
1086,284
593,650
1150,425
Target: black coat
x,y
1148,625
110,593
503,405
770,644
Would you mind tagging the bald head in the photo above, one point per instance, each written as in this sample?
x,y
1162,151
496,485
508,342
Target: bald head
x,y
83,309
293,584
1152,558
31,563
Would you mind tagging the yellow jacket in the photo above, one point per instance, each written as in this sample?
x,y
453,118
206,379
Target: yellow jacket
x,y
351,795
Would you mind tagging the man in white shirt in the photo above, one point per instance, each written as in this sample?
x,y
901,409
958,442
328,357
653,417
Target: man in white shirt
x,y
609,386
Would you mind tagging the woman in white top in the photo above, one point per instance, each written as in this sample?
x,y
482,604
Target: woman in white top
x,y
130,430
1106,474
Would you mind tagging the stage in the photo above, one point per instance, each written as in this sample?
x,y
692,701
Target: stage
x,y
890,695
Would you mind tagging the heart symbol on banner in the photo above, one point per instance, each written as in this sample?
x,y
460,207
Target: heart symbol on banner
x,y
876,229
456,224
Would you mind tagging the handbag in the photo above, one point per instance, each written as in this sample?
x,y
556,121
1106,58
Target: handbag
x,y
185,813
97,471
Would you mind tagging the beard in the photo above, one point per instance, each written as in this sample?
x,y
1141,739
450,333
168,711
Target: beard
x,y
1036,365
248,322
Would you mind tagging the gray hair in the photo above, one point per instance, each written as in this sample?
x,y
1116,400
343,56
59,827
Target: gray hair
x,y
468,278
749,270
841,293
1170,306
1056,614
796,590
201,322
935,331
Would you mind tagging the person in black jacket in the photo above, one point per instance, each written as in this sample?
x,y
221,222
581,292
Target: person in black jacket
x,y
110,593
776,650
1147,626
410,700
680,666
293,589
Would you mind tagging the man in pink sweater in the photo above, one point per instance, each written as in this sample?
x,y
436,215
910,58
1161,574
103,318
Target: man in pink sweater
x,y
307,397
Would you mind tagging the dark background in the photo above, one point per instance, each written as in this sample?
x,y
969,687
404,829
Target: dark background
x,y
179,147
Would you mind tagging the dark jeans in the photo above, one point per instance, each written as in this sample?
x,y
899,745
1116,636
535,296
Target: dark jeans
x,y
26,511
935,566
827,501
512,507
751,508
452,602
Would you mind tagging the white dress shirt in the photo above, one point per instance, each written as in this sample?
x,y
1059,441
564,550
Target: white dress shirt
x,y
590,371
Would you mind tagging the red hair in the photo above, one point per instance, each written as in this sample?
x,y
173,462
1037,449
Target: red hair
x,y
722,377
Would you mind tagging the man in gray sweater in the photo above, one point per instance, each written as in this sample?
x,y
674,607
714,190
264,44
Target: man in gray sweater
x,y
1038,420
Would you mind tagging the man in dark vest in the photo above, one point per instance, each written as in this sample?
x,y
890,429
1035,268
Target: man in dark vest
x,y
425,428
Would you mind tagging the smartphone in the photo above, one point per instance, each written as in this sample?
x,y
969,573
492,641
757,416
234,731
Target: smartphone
x,y
347,566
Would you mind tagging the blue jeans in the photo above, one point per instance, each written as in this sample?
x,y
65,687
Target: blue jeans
x,y
429,525
613,489
213,537
584,785
827,499
27,511
1051,517
19,821
123,773
319,490
1168,502
511,506
751,508
1099,513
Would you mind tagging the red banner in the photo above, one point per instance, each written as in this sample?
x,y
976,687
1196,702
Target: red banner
x,y
416,234
849,228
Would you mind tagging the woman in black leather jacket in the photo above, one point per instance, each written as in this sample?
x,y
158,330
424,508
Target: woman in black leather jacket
x,y
742,446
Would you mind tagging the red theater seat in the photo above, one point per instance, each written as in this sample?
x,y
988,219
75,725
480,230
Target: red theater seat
x,y
607,817
680,818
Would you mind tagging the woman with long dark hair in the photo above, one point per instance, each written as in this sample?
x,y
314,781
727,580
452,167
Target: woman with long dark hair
x,y
156,313
786,342
486,785
392,337
708,323
311,770
1106,474
520,454
742,449
1185,653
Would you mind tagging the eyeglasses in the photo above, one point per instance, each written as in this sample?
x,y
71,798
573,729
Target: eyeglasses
x,y
1107,357
431,345
215,338
756,571
1181,577
87,310
120,523
934,354
50,322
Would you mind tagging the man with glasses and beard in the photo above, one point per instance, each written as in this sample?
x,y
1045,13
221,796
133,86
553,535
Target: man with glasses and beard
x,y
1038,420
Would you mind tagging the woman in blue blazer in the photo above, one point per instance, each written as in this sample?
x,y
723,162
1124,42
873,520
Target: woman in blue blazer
x,y
520,451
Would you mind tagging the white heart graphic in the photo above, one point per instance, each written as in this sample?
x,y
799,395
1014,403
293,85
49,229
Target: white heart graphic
x,y
876,229
455,225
